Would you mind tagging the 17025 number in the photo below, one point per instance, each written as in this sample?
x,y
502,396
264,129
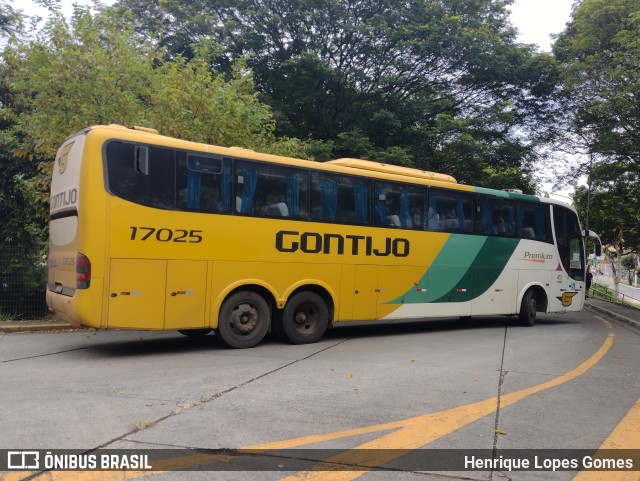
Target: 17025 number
x,y
166,235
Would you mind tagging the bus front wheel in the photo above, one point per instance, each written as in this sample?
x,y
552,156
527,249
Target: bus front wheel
x,y
244,320
528,308
304,320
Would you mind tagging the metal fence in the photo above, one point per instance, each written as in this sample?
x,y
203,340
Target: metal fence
x,y
23,277
603,292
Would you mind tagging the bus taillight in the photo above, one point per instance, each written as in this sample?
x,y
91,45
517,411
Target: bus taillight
x,y
83,272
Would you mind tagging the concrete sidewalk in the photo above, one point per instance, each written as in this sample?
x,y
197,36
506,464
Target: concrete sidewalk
x,y
36,325
622,313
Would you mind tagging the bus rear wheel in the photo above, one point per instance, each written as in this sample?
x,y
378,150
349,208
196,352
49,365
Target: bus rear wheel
x,y
304,320
528,309
244,320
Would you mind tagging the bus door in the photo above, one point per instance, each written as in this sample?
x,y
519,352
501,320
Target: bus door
x,y
185,294
365,293
136,293
157,294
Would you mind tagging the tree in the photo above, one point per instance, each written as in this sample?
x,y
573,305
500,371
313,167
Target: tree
x,y
599,54
613,210
95,70
10,20
438,85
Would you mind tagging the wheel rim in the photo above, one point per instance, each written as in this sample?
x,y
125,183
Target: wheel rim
x,y
306,318
244,319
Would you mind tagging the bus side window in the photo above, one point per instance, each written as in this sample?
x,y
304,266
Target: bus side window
x,y
533,221
271,191
450,211
495,216
203,183
398,205
340,198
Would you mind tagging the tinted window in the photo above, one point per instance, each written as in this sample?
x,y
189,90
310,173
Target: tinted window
x,y
270,191
495,216
203,183
533,222
450,211
569,241
141,174
398,205
340,198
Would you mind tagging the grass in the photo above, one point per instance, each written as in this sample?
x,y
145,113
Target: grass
x,y
604,292
7,316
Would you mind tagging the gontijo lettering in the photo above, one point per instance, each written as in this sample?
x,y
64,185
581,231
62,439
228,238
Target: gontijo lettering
x,y
64,199
315,243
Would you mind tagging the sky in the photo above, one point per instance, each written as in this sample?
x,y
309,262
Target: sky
x,y
535,19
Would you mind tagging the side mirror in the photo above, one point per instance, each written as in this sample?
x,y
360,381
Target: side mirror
x,y
596,242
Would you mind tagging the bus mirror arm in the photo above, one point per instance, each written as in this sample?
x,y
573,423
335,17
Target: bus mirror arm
x,y
596,241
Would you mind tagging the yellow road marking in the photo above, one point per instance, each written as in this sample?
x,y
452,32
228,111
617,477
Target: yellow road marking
x,y
625,436
406,434
421,430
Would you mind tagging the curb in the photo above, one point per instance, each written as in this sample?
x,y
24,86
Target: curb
x,y
54,326
615,315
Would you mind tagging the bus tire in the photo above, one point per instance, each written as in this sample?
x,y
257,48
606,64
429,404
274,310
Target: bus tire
x,y
195,332
244,320
528,309
304,320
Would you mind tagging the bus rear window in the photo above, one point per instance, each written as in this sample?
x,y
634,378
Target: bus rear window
x,y
144,176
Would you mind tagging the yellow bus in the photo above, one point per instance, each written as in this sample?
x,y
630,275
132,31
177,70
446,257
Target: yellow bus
x,y
155,233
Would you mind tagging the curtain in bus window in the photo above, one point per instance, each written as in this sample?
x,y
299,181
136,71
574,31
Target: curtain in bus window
x,y
511,220
433,219
250,182
405,209
194,187
522,232
460,212
225,186
487,218
361,197
381,211
329,196
293,194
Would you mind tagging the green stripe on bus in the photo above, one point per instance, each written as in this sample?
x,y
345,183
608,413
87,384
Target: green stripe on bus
x,y
463,270
483,272
506,195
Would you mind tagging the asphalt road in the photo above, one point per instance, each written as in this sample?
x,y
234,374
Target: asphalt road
x,y
366,397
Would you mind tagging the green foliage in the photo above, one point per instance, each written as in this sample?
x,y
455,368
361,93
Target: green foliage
x,y
94,69
600,54
613,205
439,85
11,22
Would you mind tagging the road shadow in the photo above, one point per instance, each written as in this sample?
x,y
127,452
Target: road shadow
x,y
145,343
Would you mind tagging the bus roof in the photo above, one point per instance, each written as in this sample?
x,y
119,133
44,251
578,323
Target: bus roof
x,y
370,165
